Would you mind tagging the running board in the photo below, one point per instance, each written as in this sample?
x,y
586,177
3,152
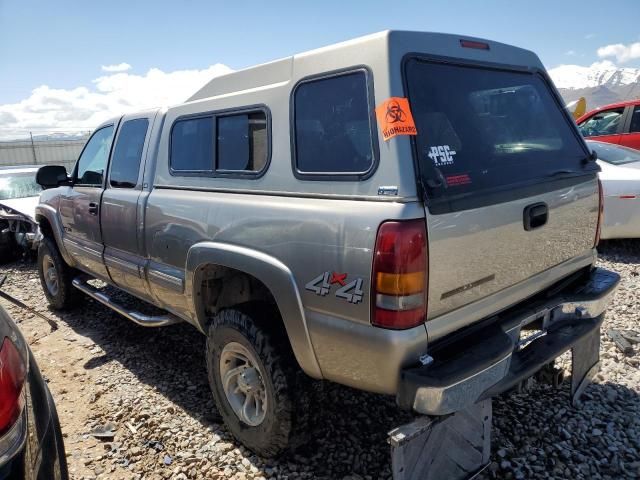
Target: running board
x,y
141,319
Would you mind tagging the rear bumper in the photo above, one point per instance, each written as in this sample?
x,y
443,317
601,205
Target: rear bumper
x,y
479,364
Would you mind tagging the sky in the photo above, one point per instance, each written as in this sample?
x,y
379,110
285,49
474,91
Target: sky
x,y
66,65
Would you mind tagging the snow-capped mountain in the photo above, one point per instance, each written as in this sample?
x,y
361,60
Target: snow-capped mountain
x,y
600,73
601,83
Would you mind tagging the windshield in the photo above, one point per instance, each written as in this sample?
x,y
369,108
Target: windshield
x,y
480,129
19,185
614,154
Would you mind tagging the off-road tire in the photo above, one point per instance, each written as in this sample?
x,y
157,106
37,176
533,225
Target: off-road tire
x,y
289,390
66,296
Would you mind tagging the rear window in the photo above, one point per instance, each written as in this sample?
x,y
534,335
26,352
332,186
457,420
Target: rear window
x,y
333,127
481,129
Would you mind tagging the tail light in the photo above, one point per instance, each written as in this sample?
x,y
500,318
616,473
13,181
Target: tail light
x,y
600,213
13,372
472,44
399,278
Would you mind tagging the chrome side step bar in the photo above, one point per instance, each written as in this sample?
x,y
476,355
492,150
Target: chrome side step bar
x,y
81,283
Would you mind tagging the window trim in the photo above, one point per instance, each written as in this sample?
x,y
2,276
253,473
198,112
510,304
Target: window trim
x,y
504,193
214,115
373,128
107,166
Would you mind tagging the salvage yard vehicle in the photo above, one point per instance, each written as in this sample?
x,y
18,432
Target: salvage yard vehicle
x,y
620,177
31,444
19,196
618,123
411,214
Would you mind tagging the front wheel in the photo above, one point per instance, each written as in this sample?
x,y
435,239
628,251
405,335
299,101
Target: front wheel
x,y
55,276
261,393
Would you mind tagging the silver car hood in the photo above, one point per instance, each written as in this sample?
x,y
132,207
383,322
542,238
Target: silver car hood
x,y
25,206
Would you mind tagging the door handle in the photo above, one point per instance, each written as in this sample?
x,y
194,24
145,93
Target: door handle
x,y
93,208
535,215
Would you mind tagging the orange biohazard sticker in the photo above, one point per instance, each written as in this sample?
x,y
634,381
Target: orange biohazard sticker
x,y
394,117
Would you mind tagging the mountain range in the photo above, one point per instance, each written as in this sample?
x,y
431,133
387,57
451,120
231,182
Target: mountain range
x,y
601,83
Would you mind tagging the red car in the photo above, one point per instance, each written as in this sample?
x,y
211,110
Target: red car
x,y
617,123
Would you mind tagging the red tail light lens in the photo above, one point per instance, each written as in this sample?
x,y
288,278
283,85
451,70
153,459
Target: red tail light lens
x,y
13,372
399,278
600,213
472,44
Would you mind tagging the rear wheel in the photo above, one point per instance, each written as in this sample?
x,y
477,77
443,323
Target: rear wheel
x,y
55,276
261,393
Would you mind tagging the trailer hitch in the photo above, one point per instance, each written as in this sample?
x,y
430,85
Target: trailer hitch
x,y
53,324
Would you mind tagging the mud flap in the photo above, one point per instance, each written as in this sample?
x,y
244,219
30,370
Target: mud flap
x,y
452,447
585,363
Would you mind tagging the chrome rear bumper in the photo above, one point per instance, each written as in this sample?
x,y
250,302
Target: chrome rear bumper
x,y
485,362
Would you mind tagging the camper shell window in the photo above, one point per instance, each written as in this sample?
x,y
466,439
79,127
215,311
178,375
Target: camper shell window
x,y
226,143
333,126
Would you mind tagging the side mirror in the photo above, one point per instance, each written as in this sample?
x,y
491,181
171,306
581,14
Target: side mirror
x,y
51,176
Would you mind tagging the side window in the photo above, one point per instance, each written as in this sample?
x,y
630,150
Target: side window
x,y
602,123
127,153
192,145
635,120
241,142
93,160
333,128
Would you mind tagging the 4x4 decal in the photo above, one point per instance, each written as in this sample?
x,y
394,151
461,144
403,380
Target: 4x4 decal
x,y
351,292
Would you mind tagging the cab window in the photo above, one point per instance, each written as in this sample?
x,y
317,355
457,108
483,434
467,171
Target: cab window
x,y
93,160
127,153
606,122
635,120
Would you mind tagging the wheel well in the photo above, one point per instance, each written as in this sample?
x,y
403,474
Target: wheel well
x,y
218,287
45,226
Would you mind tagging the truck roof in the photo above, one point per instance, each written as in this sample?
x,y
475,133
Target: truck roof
x,y
281,71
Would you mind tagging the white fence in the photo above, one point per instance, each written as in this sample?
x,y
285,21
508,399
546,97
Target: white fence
x,y
41,152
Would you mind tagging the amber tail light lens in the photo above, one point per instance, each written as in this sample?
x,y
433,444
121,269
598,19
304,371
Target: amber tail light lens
x,y
399,278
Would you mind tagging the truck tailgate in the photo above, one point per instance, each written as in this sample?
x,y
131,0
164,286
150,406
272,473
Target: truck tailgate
x,y
475,253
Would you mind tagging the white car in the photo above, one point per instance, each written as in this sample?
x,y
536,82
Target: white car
x,y
19,195
620,177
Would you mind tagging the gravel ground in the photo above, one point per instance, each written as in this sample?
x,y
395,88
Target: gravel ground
x,y
150,387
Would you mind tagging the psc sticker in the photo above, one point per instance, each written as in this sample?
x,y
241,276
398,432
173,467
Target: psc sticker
x,y
441,155
394,117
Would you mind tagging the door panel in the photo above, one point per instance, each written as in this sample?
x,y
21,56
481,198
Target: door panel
x,y
80,205
631,140
122,217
